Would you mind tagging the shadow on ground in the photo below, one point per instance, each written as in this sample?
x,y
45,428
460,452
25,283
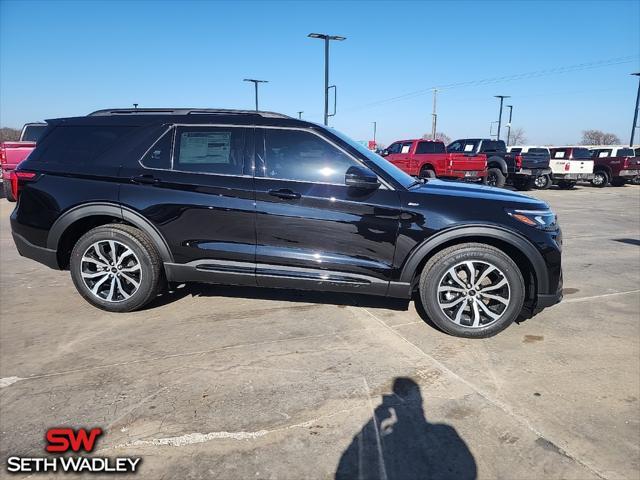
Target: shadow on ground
x,y
399,443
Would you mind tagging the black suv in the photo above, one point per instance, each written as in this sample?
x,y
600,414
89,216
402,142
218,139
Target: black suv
x,y
129,200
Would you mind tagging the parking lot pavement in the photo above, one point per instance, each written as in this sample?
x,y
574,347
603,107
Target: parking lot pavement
x,y
223,382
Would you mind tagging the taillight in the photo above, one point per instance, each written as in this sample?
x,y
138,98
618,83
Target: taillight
x,y
17,178
519,161
3,156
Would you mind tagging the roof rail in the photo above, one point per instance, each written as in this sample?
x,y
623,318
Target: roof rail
x,y
183,111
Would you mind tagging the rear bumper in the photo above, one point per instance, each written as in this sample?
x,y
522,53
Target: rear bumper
x,y
572,176
39,254
628,173
533,172
465,174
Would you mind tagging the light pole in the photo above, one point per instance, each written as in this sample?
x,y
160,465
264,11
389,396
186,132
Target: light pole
x,y
434,116
635,112
510,107
255,83
327,39
375,126
501,97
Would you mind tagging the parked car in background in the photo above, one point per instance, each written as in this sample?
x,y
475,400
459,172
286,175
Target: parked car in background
x,y
615,165
12,153
503,167
129,199
429,159
533,154
569,165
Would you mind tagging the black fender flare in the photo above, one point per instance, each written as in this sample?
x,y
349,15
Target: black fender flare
x,y
498,160
109,209
460,233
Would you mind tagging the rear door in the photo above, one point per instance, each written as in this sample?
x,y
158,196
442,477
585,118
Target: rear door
x,y
312,230
195,185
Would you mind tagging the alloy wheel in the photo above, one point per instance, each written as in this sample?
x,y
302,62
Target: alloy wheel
x,y
598,178
540,182
474,294
111,270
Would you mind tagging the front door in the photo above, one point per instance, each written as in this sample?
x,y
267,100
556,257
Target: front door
x,y
312,230
196,186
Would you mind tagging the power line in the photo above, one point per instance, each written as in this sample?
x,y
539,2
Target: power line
x,y
490,81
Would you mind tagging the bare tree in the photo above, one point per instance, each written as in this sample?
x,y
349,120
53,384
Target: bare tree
x,y
598,137
443,137
9,134
517,136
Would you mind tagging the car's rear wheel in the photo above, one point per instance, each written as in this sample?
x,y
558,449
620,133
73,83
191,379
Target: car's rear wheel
x,y
427,173
472,290
619,182
542,182
6,186
116,268
600,179
495,177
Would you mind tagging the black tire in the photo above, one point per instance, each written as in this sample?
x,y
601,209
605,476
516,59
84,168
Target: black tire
x,y
523,184
427,173
151,274
436,270
495,177
542,182
566,185
600,179
619,182
6,186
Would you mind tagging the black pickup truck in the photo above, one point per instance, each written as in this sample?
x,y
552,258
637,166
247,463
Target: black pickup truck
x,y
519,169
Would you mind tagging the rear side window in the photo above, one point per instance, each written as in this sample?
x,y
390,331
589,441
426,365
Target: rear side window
x,y
32,133
581,154
303,156
81,145
625,152
430,147
209,150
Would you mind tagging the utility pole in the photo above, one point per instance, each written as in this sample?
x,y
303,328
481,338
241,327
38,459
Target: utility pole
x,y
300,114
375,126
255,83
635,112
434,116
501,97
327,39
510,107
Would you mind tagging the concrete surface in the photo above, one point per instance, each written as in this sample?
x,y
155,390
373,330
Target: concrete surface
x,y
221,382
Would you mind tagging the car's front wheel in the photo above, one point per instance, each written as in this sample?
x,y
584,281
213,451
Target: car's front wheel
x,y
116,268
600,179
472,290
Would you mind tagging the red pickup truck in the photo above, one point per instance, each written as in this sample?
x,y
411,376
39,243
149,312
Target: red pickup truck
x,y
617,165
12,153
429,159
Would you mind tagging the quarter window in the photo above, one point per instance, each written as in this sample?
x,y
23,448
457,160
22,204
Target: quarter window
x,y
160,154
209,150
303,156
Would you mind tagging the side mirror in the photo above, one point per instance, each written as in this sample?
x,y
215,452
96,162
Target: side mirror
x,y
361,177
384,153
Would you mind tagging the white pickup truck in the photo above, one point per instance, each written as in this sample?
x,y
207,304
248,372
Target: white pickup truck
x,y
568,166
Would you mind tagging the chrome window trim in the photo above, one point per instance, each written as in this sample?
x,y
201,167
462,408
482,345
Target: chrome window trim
x,y
383,182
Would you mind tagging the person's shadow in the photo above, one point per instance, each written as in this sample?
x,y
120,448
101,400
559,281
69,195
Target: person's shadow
x,y
399,443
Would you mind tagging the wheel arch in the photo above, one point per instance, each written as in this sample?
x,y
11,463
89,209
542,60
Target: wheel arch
x,y
76,222
498,162
524,254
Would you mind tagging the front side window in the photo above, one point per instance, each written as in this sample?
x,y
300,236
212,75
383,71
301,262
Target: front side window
x,y
406,147
303,156
216,150
395,148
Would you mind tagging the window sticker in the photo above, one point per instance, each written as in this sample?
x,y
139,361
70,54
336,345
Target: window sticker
x,y
468,147
603,154
405,148
558,155
205,147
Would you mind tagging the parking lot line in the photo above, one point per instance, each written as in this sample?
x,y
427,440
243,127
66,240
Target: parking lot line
x,y
593,297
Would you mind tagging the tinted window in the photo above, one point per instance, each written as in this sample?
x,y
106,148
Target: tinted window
x,y
493,146
581,154
462,146
395,148
518,150
539,151
159,156
625,152
430,147
81,145
32,133
601,153
303,156
406,147
209,150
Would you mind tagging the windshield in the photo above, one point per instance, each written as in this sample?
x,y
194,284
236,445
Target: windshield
x,y
394,172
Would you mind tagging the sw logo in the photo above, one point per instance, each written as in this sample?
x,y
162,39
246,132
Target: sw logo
x,y
62,440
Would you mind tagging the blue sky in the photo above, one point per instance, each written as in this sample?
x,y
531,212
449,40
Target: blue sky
x,y
69,58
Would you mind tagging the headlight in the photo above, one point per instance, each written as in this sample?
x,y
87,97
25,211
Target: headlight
x,y
542,219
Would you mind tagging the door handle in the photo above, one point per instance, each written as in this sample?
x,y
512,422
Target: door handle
x,y
285,193
145,179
